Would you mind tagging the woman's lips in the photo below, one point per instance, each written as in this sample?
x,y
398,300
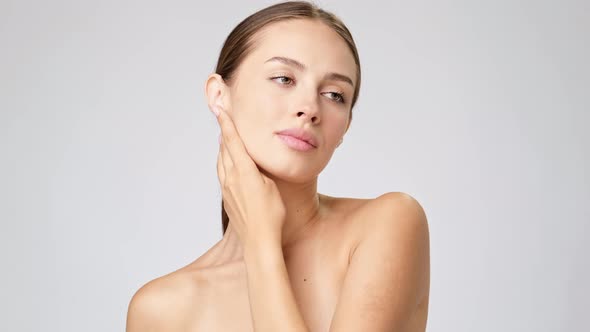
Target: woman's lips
x,y
296,143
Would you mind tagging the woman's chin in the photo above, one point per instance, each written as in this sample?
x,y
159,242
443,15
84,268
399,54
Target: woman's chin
x,y
283,171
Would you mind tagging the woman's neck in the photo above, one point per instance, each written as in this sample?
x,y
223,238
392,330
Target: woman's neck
x,y
303,210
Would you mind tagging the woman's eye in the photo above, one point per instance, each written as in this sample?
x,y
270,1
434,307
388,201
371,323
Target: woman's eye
x,y
339,97
274,78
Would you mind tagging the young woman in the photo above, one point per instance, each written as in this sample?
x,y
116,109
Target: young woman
x,y
292,259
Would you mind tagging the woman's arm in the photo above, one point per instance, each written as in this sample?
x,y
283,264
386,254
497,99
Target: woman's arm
x,y
386,282
257,213
272,302
386,286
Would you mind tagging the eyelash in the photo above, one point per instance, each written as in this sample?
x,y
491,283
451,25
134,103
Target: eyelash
x,y
340,95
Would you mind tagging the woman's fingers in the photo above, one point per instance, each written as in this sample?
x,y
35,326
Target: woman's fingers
x,y
220,168
233,145
228,164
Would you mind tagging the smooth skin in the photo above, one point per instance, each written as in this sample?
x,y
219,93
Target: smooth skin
x,y
293,259
257,213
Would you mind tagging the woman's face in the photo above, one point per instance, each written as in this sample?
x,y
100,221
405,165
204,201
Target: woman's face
x,y
263,103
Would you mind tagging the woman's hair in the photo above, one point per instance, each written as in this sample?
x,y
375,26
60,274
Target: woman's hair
x,y
240,43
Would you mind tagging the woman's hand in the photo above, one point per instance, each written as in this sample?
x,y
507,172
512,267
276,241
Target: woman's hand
x,y
251,199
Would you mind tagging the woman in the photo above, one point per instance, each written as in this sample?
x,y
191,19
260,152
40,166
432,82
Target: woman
x,y
292,259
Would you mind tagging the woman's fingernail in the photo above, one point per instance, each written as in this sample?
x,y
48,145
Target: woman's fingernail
x,y
215,110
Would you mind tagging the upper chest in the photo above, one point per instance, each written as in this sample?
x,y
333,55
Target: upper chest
x,y
316,269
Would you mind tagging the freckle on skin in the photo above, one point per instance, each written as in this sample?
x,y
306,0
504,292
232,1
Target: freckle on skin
x,y
304,279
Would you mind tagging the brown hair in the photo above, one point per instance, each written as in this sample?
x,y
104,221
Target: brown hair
x,y
240,43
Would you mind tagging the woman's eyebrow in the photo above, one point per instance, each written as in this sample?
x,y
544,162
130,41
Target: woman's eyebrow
x,y
302,67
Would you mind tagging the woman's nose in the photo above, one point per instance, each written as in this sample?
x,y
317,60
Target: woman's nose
x,y
310,116
308,107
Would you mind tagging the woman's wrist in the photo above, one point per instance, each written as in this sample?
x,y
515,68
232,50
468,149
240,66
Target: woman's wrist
x,y
262,250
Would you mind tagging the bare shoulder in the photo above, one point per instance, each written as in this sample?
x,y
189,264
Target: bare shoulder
x,y
386,286
163,304
398,222
401,220
390,210
402,205
400,216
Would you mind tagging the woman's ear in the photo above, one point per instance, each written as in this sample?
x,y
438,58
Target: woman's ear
x,y
216,92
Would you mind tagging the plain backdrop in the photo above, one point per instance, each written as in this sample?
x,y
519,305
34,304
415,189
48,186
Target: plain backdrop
x,y
478,109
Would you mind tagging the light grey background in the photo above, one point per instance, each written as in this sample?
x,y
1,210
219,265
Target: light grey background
x,y
478,109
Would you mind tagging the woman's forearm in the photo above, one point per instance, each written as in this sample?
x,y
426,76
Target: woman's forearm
x,y
272,302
